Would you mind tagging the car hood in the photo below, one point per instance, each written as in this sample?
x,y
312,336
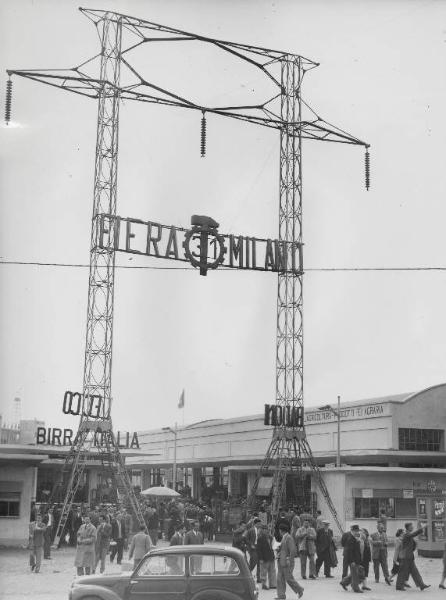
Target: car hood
x,y
104,580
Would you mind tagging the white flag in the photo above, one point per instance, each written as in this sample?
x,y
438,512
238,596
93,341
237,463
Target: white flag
x,y
181,400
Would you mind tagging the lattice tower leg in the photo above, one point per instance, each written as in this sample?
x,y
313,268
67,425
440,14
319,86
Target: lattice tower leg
x,y
289,448
99,334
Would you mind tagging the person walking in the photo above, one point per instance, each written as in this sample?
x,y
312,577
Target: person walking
x,y
103,536
379,552
251,536
306,546
344,538
36,543
324,548
265,555
128,526
139,546
238,538
407,559
352,555
366,557
194,535
153,524
85,559
285,564
118,536
178,537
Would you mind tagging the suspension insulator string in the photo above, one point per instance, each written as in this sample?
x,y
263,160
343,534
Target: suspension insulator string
x,y
8,101
367,168
203,135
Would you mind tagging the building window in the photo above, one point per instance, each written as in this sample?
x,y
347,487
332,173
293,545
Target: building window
x,y
136,478
9,504
421,439
370,508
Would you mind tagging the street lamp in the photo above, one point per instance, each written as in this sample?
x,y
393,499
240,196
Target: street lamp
x,y
175,433
337,414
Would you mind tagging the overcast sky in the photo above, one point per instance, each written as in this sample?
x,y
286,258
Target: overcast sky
x,y
382,77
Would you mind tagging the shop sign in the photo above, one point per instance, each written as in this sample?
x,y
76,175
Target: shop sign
x,y
430,487
54,436
367,493
408,494
359,412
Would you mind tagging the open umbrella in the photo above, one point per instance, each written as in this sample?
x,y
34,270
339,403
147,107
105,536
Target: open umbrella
x,y
160,492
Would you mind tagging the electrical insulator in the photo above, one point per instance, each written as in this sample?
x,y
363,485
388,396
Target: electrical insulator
x,y
367,169
8,101
203,135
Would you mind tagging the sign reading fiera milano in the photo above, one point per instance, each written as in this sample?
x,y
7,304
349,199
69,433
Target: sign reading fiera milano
x,y
202,245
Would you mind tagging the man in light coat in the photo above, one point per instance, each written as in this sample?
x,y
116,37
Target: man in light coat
x,y
306,546
85,559
285,564
140,545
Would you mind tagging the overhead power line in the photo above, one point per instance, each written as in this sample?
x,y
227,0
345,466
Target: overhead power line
x,y
152,268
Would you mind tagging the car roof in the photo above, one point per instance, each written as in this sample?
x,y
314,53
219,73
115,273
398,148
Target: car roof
x,y
198,549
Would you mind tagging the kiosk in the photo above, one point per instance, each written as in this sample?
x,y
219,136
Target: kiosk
x,y
431,513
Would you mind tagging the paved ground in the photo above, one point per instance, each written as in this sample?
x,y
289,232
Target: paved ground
x,y
53,583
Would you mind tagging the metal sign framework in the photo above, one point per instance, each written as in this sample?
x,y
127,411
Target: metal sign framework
x,y
289,449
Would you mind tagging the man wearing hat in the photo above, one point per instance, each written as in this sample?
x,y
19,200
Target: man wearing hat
x,y
352,554
324,542
285,564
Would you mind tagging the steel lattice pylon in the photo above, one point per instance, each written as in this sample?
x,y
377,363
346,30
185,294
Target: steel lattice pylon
x,y
289,450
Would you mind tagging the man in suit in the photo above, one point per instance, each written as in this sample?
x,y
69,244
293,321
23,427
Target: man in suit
x,y
178,537
103,534
324,541
140,545
306,545
407,559
118,536
352,555
194,535
286,554
379,552
265,555
251,536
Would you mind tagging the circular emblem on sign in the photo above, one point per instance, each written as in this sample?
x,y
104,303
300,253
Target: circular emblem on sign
x,y
203,246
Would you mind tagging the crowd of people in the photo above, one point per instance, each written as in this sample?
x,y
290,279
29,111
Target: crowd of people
x,y
298,534
109,531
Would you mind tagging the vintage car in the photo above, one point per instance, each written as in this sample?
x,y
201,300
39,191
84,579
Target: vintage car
x,y
175,573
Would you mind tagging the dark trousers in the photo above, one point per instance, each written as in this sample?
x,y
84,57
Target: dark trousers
x,y
353,578
344,567
408,567
254,562
323,558
381,561
118,549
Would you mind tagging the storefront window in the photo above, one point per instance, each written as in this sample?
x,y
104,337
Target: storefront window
x,y
405,508
370,508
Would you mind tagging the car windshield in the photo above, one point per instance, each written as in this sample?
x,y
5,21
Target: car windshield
x,y
160,566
